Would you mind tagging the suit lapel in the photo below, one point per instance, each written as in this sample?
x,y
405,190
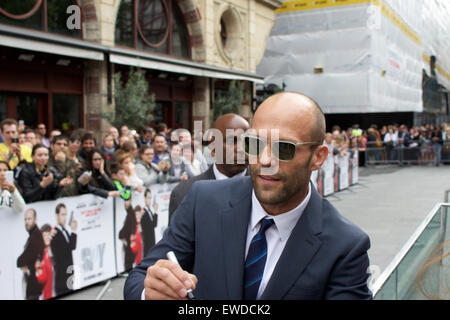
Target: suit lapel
x,y
209,174
234,227
300,248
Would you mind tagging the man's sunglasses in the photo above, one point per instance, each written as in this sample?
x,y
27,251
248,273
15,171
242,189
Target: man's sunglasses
x,y
282,150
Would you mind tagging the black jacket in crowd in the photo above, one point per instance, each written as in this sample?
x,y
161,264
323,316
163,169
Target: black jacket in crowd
x,y
99,184
29,182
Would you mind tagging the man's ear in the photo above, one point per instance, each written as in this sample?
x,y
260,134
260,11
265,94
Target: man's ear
x,y
319,157
210,146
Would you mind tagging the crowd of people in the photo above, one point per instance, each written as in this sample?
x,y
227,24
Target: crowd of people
x,y
48,167
392,143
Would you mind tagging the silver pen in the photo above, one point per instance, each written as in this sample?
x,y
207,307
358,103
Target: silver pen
x,y
171,256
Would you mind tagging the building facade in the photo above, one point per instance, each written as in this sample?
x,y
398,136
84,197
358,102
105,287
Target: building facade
x,y
364,61
58,57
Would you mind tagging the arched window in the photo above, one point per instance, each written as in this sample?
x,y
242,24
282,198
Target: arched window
x,y
155,25
46,15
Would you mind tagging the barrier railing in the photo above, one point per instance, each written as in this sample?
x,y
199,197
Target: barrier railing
x,y
412,275
400,155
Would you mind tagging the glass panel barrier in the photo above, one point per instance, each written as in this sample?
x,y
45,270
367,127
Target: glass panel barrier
x,y
420,270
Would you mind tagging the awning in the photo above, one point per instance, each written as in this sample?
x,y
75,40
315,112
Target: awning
x,y
182,67
49,43
54,44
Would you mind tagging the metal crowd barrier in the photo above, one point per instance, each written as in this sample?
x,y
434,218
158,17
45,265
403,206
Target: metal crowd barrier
x,y
400,155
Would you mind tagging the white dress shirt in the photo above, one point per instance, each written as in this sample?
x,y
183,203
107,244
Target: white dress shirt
x,y
277,235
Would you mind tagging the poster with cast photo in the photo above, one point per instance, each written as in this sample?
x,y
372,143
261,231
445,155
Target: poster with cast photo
x,y
328,176
140,223
343,163
54,247
354,167
315,178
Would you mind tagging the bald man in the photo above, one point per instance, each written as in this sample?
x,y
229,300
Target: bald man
x,y
269,236
225,144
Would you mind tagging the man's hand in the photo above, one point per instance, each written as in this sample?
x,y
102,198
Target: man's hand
x,y
60,156
74,225
15,150
166,280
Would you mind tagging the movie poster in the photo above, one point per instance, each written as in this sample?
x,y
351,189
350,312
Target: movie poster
x,y
355,167
343,163
140,223
55,247
328,176
314,178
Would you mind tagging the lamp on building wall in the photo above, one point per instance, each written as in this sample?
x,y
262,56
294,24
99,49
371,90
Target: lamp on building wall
x,y
26,57
265,91
63,62
318,70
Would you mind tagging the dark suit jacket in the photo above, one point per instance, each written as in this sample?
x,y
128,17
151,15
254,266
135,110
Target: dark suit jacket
x,y
324,258
180,191
148,224
129,228
29,182
62,258
34,249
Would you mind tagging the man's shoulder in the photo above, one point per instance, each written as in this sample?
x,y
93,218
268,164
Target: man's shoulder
x,y
184,186
227,188
339,227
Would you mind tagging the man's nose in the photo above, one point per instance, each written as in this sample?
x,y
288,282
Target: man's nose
x,y
265,157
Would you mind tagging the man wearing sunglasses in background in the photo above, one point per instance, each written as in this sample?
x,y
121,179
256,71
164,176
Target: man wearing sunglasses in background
x,y
271,236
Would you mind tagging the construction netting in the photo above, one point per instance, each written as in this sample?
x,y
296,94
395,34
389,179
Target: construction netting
x,y
356,56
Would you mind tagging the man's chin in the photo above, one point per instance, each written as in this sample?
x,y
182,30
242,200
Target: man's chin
x,y
267,194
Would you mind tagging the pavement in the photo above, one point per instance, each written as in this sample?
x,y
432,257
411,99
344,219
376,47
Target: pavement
x,y
388,203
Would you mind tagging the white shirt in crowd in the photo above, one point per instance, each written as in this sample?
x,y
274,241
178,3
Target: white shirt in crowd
x,y
221,176
391,137
14,200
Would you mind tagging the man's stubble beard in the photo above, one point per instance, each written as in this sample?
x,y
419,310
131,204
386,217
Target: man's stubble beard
x,y
290,186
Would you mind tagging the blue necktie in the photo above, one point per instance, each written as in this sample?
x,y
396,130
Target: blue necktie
x,y
256,261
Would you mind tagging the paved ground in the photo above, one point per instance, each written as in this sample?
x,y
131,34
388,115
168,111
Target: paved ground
x,y
389,203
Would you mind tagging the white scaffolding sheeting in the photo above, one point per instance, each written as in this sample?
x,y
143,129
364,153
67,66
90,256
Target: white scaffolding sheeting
x,y
356,56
